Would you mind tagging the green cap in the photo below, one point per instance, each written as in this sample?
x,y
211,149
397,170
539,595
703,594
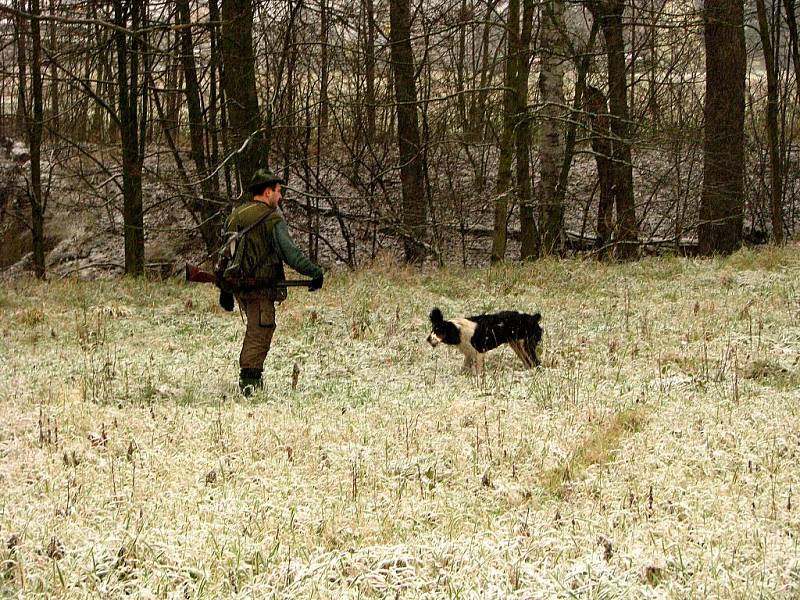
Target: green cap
x,y
263,177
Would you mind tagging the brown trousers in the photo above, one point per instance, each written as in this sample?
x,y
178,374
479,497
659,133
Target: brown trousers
x,y
260,314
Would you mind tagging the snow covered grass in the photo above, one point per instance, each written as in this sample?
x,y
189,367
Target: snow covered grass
x,y
654,455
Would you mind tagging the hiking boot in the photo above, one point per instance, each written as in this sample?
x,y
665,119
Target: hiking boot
x,y
250,381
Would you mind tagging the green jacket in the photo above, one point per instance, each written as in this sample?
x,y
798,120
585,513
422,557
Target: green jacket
x,y
268,245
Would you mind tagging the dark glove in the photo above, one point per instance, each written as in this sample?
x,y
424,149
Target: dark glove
x,y
226,300
316,283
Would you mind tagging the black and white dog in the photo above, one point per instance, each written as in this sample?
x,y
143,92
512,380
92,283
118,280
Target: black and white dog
x,y
476,335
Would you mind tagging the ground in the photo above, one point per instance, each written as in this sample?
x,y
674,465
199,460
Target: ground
x,y
653,455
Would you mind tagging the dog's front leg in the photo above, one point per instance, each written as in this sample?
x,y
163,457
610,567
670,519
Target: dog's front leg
x,y
469,364
479,364
530,349
519,349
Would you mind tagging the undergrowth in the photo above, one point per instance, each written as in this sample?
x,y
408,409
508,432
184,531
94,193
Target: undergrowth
x,y
652,455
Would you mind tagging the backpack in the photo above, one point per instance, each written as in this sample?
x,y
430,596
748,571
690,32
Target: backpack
x,y
228,263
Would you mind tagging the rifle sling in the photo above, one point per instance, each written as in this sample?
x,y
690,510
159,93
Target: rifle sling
x,y
244,231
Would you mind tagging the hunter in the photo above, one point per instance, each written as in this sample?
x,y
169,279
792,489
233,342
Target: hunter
x,y
267,246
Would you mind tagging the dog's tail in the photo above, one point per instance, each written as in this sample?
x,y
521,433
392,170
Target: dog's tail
x,y
436,316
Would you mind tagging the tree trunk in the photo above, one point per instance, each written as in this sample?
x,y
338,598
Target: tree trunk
x,y
722,201
461,101
323,78
551,147
504,187
55,99
239,84
97,124
210,221
791,22
128,96
289,106
529,235
477,111
597,107
582,62
609,13
408,138
775,163
369,71
173,105
652,44
35,137
214,100
21,35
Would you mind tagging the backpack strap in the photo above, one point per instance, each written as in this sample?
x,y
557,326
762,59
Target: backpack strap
x,y
244,231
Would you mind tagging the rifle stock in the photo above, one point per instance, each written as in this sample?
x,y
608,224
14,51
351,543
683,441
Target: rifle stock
x,y
197,275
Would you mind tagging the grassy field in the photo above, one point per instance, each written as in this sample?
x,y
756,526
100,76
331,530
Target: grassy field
x,y
655,454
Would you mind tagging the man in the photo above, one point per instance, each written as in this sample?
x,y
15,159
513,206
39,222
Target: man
x,y
267,246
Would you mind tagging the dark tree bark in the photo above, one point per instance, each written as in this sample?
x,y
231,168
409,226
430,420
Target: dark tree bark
x,y
461,101
239,84
529,235
478,121
722,201
408,137
35,124
597,107
369,71
55,98
323,78
210,220
128,98
791,22
21,36
775,162
215,107
582,62
609,13
504,187
477,106
289,104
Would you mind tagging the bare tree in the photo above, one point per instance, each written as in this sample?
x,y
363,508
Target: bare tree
x,y
770,50
408,138
209,217
129,90
504,188
722,202
414,105
529,233
551,145
35,126
609,14
239,84
791,22
597,107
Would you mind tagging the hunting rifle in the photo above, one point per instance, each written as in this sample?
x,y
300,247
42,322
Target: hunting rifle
x,y
197,275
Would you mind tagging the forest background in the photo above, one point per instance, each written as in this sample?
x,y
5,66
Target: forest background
x,y
456,131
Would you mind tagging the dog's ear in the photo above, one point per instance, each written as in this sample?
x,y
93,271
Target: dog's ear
x,y
537,317
436,316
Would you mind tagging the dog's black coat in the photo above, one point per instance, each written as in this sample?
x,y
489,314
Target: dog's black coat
x,y
488,331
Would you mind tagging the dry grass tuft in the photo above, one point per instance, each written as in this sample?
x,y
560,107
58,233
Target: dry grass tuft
x,y
596,449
